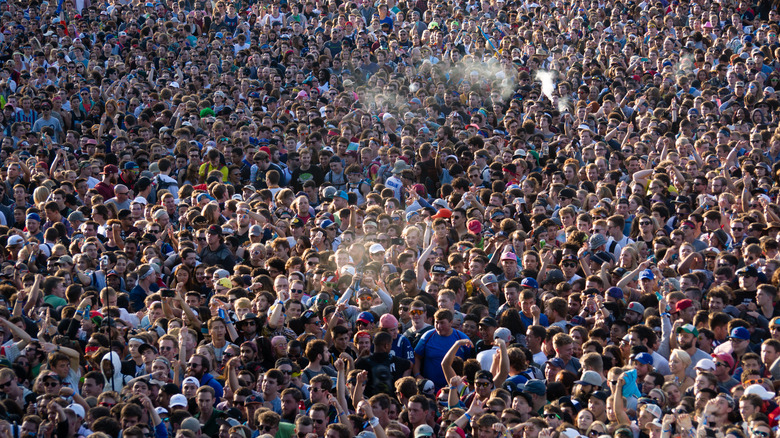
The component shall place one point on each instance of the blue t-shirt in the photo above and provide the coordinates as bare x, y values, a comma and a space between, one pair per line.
432, 348
403, 348
543, 321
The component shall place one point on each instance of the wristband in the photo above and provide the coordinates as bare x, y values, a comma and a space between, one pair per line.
467, 415
374, 421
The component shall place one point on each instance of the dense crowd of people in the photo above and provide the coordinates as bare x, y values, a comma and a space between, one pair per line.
389, 219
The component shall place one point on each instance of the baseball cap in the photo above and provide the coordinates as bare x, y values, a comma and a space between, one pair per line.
388, 321
740, 333
636, 307
503, 333
705, 365
366, 317
488, 321
682, 305
178, 400
423, 430
688, 328
646, 274
110, 169
589, 378
643, 358
529, 282
556, 362
489, 279
535, 386
376, 248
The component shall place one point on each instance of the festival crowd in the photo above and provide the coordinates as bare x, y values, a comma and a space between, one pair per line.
389, 219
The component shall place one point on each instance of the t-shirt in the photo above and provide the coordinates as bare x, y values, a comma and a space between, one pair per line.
300, 176
383, 370
54, 301
432, 348
309, 374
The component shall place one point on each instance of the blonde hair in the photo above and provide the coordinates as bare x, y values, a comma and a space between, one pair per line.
243, 303
684, 357
40, 195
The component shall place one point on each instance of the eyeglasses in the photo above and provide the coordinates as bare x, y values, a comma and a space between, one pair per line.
759, 433
550, 415
318, 421
49, 384
569, 265
238, 403
264, 428
482, 384
417, 311
6, 384
296, 291
644, 223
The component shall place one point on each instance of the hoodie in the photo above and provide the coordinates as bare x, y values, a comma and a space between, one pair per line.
118, 380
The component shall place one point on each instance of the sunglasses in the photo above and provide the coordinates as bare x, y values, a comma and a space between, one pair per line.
417, 312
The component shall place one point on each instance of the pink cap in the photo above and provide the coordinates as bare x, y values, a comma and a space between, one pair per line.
509, 256
388, 321
474, 226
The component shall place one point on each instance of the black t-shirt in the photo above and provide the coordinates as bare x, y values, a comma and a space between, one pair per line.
741, 296
300, 176
383, 370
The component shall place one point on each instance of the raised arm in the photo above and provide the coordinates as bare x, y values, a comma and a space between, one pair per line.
619, 402
446, 364
25, 337
503, 357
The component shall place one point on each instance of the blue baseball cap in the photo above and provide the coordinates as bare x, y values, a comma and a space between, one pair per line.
34, 216
529, 282
616, 292
643, 358
740, 333
646, 274
365, 317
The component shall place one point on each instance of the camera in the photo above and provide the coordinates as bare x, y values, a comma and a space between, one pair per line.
166, 293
